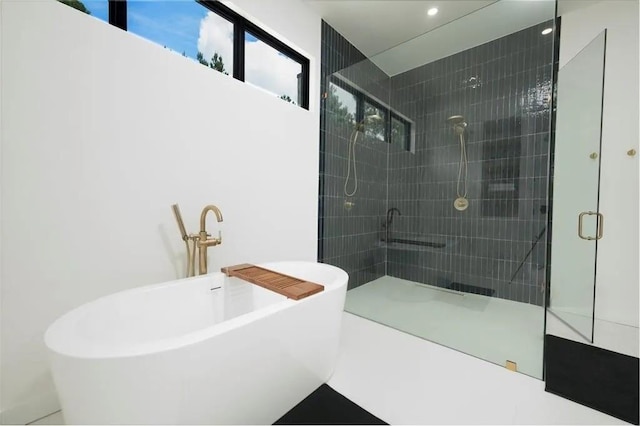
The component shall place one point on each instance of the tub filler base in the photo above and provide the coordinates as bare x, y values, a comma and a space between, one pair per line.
204, 350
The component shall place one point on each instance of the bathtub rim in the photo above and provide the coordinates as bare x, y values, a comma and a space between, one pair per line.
65, 321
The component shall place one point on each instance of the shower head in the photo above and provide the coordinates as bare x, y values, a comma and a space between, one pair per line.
368, 119
455, 120
458, 123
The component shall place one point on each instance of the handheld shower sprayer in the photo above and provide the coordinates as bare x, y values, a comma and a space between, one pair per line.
358, 128
459, 125
369, 118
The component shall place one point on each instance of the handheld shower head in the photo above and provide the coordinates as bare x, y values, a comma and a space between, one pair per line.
461, 203
458, 123
359, 128
455, 120
368, 119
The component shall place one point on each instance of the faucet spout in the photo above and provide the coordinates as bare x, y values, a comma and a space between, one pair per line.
204, 241
390, 214
203, 215
386, 226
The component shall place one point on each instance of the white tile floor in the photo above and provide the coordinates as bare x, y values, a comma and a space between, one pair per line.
403, 379
493, 329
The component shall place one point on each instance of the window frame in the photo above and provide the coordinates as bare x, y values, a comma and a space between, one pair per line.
406, 144
241, 26
351, 91
118, 13
362, 98
359, 115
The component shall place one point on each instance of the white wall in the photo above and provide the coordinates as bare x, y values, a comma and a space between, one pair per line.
102, 132
617, 281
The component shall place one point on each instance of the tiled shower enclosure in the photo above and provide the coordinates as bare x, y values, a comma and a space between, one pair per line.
497, 246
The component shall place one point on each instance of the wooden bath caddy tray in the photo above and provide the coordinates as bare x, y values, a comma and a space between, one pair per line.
293, 288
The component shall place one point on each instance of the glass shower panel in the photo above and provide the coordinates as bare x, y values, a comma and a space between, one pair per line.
448, 240
575, 188
472, 262
354, 157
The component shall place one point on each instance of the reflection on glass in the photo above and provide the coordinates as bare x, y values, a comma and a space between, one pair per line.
575, 187
374, 126
341, 104
270, 70
186, 28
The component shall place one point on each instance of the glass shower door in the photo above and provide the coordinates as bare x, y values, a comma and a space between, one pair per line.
577, 224
468, 120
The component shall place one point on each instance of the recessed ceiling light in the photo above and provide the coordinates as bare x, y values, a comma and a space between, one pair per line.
432, 11
546, 31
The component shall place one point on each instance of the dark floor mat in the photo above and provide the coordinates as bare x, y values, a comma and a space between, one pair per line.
466, 288
604, 380
325, 406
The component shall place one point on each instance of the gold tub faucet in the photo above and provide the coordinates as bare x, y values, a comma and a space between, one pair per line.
204, 241
201, 240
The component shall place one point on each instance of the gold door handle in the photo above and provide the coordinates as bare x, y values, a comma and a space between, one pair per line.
600, 230
600, 233
580, 217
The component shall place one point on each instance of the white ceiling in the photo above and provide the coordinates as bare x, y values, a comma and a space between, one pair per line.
390, 32
377, 25
566, 6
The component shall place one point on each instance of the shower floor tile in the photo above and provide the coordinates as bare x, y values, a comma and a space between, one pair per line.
489, 328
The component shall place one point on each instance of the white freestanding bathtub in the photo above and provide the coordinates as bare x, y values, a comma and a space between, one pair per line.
203, 350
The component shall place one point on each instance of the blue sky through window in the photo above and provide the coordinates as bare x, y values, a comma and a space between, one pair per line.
271, 70
174, 24
188, 28
98, 8
250, 37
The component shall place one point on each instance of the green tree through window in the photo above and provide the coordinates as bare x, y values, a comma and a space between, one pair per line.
216, 62
287, 98
340, 111
76, 4
374, 128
